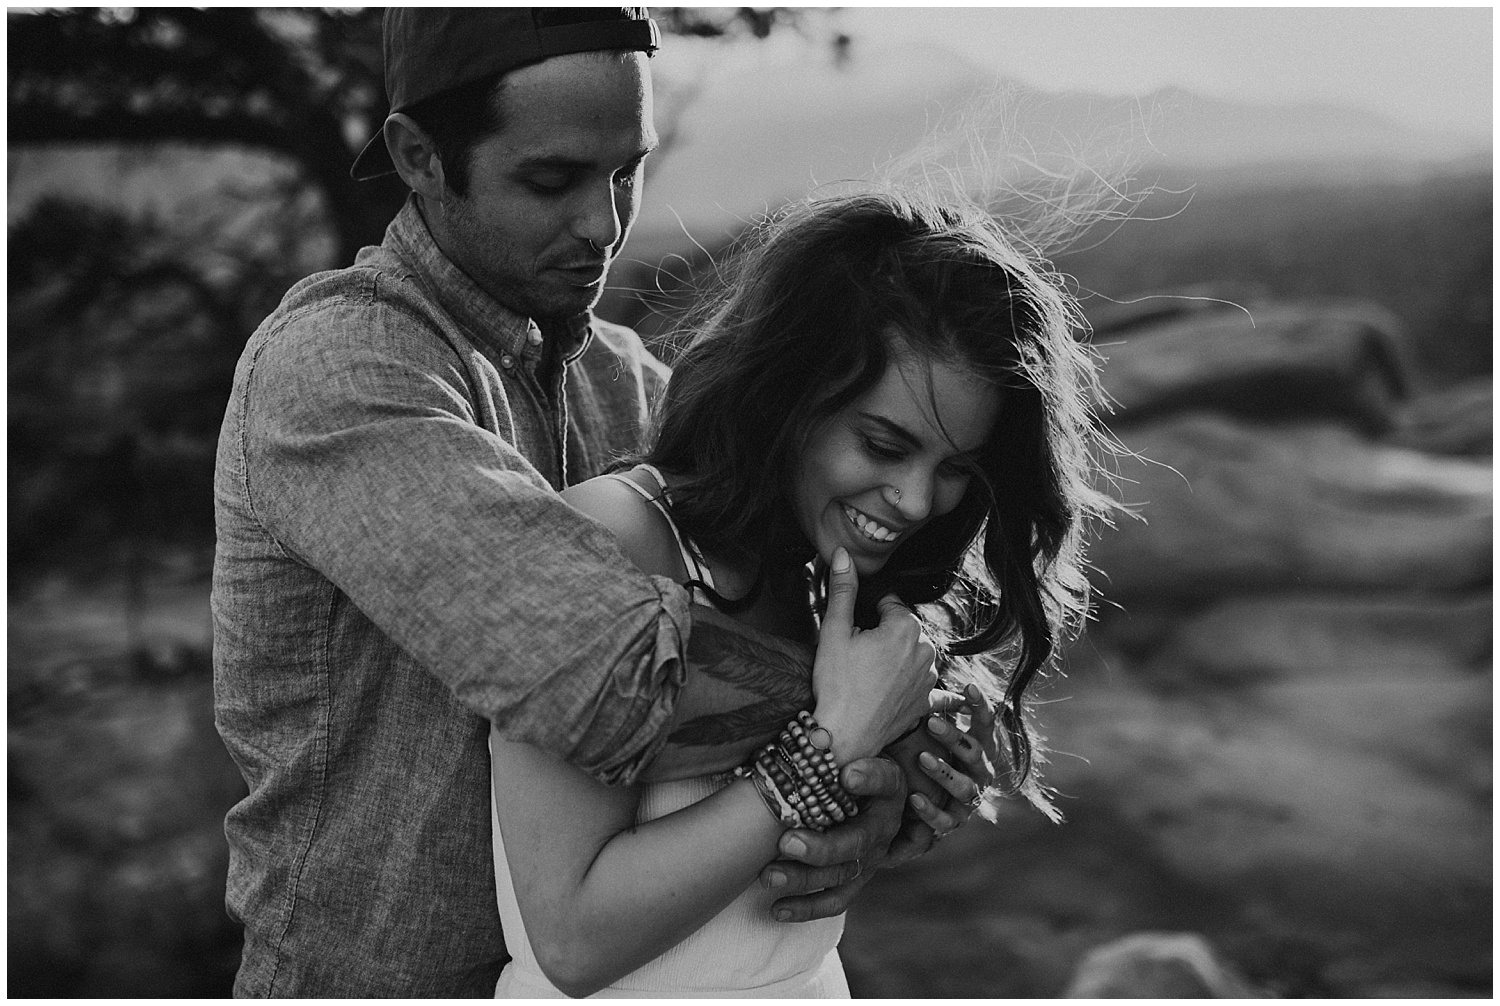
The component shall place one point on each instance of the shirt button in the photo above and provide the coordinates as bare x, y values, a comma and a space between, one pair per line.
507, 361
535, 335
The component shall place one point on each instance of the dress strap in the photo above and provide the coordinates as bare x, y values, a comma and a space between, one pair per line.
692, 559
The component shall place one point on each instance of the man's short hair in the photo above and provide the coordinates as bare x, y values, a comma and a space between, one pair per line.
458, 117
456, 121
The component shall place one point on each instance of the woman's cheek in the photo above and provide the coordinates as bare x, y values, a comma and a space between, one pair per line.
949, 494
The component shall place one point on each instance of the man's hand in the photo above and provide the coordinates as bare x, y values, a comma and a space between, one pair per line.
823, 872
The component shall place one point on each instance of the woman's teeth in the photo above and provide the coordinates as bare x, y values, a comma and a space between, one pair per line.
868, 527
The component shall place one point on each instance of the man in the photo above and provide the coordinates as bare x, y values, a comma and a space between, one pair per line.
394, 569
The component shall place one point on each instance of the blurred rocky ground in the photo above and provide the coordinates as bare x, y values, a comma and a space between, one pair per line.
117, 788
1274, 747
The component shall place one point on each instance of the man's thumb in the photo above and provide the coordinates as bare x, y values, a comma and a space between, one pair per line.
843, 585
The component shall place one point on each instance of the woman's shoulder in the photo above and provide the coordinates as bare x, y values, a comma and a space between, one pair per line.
643, 531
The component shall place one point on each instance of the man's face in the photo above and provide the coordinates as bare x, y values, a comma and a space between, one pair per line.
553, 194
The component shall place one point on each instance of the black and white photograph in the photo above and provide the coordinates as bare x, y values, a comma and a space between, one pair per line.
750, 502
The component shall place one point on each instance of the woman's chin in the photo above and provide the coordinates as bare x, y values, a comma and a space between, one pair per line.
864, 565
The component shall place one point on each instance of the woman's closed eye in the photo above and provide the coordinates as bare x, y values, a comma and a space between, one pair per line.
882, 449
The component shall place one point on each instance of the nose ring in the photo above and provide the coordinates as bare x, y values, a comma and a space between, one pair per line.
897, 492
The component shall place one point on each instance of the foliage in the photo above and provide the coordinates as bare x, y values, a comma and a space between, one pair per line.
302, 82
123, 335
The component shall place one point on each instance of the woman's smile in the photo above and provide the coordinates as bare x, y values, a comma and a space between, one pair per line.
869, 527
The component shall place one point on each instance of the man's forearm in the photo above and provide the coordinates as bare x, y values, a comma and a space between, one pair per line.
741, 689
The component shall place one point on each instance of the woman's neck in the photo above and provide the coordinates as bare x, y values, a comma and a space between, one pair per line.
780, 608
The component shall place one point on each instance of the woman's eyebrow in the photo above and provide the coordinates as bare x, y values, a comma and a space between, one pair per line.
900, 432
893, 428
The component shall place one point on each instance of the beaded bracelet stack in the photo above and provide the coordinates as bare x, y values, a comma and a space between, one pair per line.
798, 779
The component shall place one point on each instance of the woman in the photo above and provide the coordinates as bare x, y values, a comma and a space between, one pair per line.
881, 381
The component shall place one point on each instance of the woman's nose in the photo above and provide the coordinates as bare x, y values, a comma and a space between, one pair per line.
910, 497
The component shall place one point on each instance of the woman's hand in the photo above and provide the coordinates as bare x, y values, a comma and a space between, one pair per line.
966, 771
871, 684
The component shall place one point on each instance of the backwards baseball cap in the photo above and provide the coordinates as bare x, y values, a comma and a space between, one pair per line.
429, 50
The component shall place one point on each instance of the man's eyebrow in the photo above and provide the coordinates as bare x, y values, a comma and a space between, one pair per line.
552, 163
559, 162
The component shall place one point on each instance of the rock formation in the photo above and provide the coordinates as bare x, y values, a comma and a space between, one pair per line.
1288, 692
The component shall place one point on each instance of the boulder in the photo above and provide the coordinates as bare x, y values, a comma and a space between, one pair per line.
1273, 637
1274, 361
1352, 811
1229, 507
1344, 669
1458, 420
1156, 966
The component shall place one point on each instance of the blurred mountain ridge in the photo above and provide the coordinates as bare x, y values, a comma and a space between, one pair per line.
769, 130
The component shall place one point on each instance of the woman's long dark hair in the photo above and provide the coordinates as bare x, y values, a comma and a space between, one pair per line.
803, 321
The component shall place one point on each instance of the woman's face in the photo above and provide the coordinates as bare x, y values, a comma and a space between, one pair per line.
873, 473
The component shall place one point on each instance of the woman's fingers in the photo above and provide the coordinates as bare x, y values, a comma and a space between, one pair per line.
941, 822
942, 701
961, 744
843, 586
981, 714
959, 786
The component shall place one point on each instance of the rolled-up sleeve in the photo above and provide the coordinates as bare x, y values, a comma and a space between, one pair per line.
369, 463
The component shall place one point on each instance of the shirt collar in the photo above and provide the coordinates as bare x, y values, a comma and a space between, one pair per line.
482, 316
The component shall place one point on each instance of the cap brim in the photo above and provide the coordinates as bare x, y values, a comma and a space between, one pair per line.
374, 160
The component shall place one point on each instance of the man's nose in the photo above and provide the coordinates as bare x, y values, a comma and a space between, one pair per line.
598, 221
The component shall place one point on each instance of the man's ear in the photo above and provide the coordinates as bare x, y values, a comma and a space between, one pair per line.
415, 156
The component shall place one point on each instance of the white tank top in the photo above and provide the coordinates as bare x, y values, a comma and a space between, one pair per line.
740, 953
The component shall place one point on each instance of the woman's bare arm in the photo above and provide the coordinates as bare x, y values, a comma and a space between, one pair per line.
602, 897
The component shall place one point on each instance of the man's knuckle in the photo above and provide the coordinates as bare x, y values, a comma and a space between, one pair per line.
829, 907
862, 845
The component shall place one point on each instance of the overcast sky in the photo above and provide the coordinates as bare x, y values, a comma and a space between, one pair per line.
1428, 67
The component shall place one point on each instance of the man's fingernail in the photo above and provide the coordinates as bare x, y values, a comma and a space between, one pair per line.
793, 846
783, 915
775, 879
854, 777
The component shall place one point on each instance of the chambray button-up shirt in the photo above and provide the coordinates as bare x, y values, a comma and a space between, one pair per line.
394, 571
